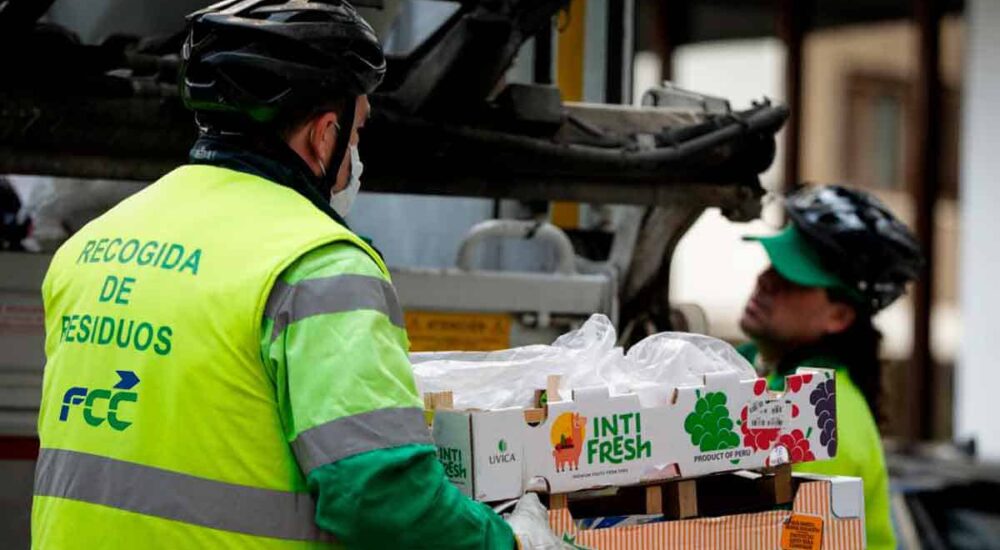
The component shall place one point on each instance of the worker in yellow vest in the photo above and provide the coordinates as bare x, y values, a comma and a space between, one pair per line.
226, 361
842, 258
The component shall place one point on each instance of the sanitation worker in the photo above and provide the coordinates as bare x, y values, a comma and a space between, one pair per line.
226, 361
842, 258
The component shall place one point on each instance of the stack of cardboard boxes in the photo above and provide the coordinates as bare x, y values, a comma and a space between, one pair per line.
662, 437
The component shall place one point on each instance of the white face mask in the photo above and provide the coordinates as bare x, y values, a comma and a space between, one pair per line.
342, 200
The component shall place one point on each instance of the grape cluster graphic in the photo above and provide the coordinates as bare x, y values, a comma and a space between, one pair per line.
824, 402
709, 425
797, 444
759, 439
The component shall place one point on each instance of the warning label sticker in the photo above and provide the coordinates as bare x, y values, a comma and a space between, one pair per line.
802, 532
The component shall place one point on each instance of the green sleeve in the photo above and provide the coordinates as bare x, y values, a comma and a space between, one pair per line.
400, 498
859, 454
335, 346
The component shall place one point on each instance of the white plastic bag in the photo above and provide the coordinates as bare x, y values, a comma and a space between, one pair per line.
585, 357
509, 378
679, 359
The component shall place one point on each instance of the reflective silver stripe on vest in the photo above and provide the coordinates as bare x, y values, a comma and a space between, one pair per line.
359, 433
175, 496
290, 303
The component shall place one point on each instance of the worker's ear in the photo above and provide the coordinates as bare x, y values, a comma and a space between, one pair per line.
314, 141
321, 137
839, 317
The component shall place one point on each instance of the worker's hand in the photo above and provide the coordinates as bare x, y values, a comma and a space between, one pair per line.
530, 522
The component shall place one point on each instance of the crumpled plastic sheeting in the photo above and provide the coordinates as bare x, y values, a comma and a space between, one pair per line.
585, 357
680, 359
509, 378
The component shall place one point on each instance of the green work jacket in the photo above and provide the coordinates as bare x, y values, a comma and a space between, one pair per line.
227, 368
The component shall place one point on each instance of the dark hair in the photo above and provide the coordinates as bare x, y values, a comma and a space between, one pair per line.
856, 348
289, 120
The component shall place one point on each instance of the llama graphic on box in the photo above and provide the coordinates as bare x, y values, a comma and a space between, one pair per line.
568, 434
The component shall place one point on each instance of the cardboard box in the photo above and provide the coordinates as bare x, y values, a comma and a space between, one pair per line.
596, 440
483, 452
827, 514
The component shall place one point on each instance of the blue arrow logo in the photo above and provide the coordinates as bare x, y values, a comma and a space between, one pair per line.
128, 380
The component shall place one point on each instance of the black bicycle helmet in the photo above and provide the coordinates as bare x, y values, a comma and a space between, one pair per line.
249, 61
258, 57
858, 239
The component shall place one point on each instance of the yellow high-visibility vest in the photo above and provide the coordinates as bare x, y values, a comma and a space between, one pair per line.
159, 424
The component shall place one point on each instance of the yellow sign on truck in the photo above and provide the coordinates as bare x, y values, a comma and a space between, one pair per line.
445, 331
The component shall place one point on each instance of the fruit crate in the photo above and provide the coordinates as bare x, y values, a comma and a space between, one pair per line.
594, 439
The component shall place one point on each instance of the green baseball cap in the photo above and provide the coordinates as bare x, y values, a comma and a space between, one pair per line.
795, 260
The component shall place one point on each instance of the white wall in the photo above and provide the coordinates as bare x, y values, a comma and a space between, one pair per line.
978, 376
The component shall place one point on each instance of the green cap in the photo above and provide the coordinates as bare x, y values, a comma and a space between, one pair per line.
796, 261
